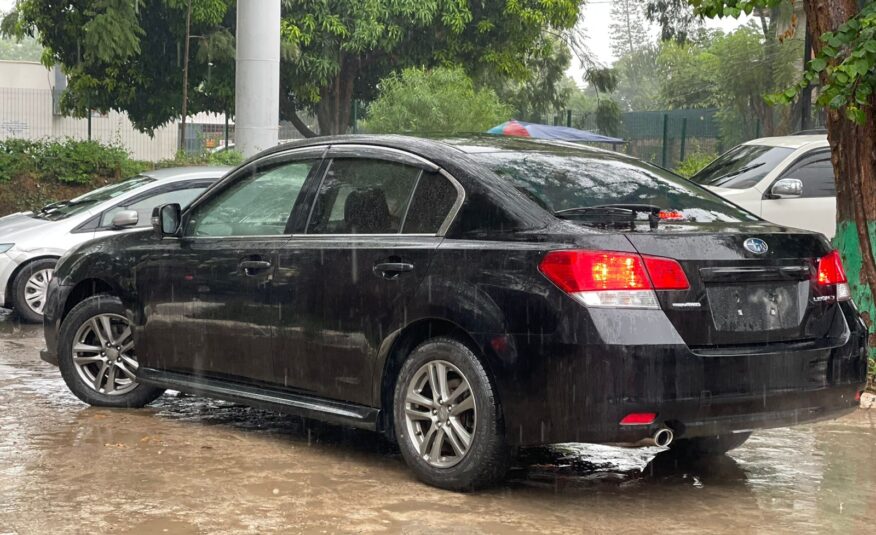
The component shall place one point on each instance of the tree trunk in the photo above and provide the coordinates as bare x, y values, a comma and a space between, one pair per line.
853, 148
336, 99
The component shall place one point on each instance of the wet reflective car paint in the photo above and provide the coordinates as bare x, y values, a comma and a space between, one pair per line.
321, 333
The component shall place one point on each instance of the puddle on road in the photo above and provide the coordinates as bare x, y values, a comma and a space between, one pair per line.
194, 465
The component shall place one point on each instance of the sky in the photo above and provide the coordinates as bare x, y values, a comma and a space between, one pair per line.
595, 20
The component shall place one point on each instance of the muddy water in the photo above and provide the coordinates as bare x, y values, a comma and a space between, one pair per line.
190, 465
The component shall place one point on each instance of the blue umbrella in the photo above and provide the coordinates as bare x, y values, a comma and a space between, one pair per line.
544, 131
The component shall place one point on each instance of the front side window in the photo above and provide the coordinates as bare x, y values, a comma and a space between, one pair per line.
816, 173
563, 182
362, 196
742, 167
258, 204
144, 206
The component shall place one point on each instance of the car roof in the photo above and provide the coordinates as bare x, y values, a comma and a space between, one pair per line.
181, 173
447, 146
791, 142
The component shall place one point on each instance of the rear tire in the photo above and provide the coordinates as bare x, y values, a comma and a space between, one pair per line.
97, 358
453, 437
708, 446
29, 289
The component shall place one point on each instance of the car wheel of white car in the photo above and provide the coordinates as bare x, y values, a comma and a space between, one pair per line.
30, 289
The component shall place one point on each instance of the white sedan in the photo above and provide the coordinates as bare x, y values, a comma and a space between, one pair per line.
32, 242
787, 180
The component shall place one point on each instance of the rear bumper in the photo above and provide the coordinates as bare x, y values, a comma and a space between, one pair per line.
588, 388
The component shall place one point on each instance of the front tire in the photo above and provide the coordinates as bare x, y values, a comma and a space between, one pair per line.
708, 446
97, 358
448, 422
29, 290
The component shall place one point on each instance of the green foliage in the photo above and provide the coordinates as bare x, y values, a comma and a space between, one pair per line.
438, 101
628, 32
25, 49
125, 55
732, 72
68, 161
545, 89
847, 62
676, 19
181, 159
689, 76
638, 85
694, 162
348, 46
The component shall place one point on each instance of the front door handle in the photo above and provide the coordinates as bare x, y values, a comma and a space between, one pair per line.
252, 268
391, 270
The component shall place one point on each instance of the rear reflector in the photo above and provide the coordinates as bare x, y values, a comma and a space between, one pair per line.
611, 278
639, 418
831, 272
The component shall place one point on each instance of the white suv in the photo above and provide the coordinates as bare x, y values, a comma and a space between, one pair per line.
786, 180
32, 242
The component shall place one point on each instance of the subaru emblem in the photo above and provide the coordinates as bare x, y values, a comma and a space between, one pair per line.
756, 245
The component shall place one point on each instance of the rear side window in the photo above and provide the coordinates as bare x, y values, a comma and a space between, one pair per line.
741, 167
816, 173
363, 196
562, 182
431, 204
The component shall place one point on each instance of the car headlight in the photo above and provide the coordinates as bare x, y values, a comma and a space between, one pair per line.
5, 247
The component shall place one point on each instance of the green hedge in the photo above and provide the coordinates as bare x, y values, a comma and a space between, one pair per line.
67, 161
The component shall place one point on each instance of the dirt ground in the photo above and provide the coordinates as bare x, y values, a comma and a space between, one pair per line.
190, 465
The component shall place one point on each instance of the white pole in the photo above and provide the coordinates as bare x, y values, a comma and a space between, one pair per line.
257, 84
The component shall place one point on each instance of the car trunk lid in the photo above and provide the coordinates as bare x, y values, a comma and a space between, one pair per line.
742, 296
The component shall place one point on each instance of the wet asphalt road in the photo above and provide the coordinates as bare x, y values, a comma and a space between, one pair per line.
190, 465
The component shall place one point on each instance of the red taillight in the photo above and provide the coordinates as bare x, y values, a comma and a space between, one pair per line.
830, 269
611, 278
639, 418
583, 271
831, 272
666, 273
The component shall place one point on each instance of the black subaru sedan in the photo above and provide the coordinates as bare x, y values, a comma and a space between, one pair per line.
466, 298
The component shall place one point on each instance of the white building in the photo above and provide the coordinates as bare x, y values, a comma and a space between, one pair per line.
28, 109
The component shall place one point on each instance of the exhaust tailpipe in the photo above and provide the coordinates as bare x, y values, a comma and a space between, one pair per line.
663, 437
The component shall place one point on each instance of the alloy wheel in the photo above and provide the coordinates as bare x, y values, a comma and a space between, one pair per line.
440, 413
35, 289
103, 353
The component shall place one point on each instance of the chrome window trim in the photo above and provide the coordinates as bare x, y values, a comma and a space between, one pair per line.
327, 148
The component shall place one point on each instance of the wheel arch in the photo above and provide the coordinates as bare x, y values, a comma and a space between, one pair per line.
85, 289
399, 345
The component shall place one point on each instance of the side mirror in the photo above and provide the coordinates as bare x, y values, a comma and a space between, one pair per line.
165, 220
125, 218
787, 188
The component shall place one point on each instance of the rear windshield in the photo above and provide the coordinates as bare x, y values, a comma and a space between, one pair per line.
742, 167
561, 182
64, 209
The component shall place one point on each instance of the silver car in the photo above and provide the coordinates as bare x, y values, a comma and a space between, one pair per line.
32, 242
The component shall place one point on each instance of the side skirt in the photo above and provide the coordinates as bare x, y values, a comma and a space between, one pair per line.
335, 412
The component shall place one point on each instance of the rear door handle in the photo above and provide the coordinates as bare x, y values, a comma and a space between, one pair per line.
391, 270
252, 268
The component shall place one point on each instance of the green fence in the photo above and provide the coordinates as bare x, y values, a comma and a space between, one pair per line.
661, 137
